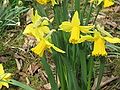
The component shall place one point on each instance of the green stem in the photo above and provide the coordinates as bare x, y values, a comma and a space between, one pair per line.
83, 68
49, 74
98, 10
91, 62
88, 15
101, 71
74, 56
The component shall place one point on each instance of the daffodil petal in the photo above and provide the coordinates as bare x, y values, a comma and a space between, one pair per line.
40, 48
35, 17
53, 2
7, 75
85, 29
75, 19
51, 20
45, 22
4, 84
54, 47
108, 3
57, 49
85, 38
28, 30
101, 30
38, 34
0, 86
97, 35
1, 69
42, 1
112, 40
44, 29
66, 26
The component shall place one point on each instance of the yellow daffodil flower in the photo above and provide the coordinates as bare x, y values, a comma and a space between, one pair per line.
4, 77
107, 3
99, 43
75, 28
43, 45
46, 1
38, 28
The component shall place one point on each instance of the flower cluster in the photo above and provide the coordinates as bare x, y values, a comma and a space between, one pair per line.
99, 40
40, 30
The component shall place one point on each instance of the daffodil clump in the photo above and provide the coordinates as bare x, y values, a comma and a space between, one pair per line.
106, 3
4, 77
81, 40
40, 30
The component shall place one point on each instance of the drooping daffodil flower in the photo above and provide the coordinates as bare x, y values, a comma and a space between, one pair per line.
106, 3
4, 77
99, 42
38, 28
46, 1
75, 28
43, 45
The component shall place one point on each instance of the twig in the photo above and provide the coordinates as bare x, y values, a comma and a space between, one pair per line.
108, 81
103, 84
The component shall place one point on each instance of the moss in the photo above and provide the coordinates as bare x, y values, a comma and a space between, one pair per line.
10, 66
36, 82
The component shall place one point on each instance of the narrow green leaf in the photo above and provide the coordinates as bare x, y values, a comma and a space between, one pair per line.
101, 71
49, 74
91, 63
77, 6
65, 10
83, 63
19, 84
57, 17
